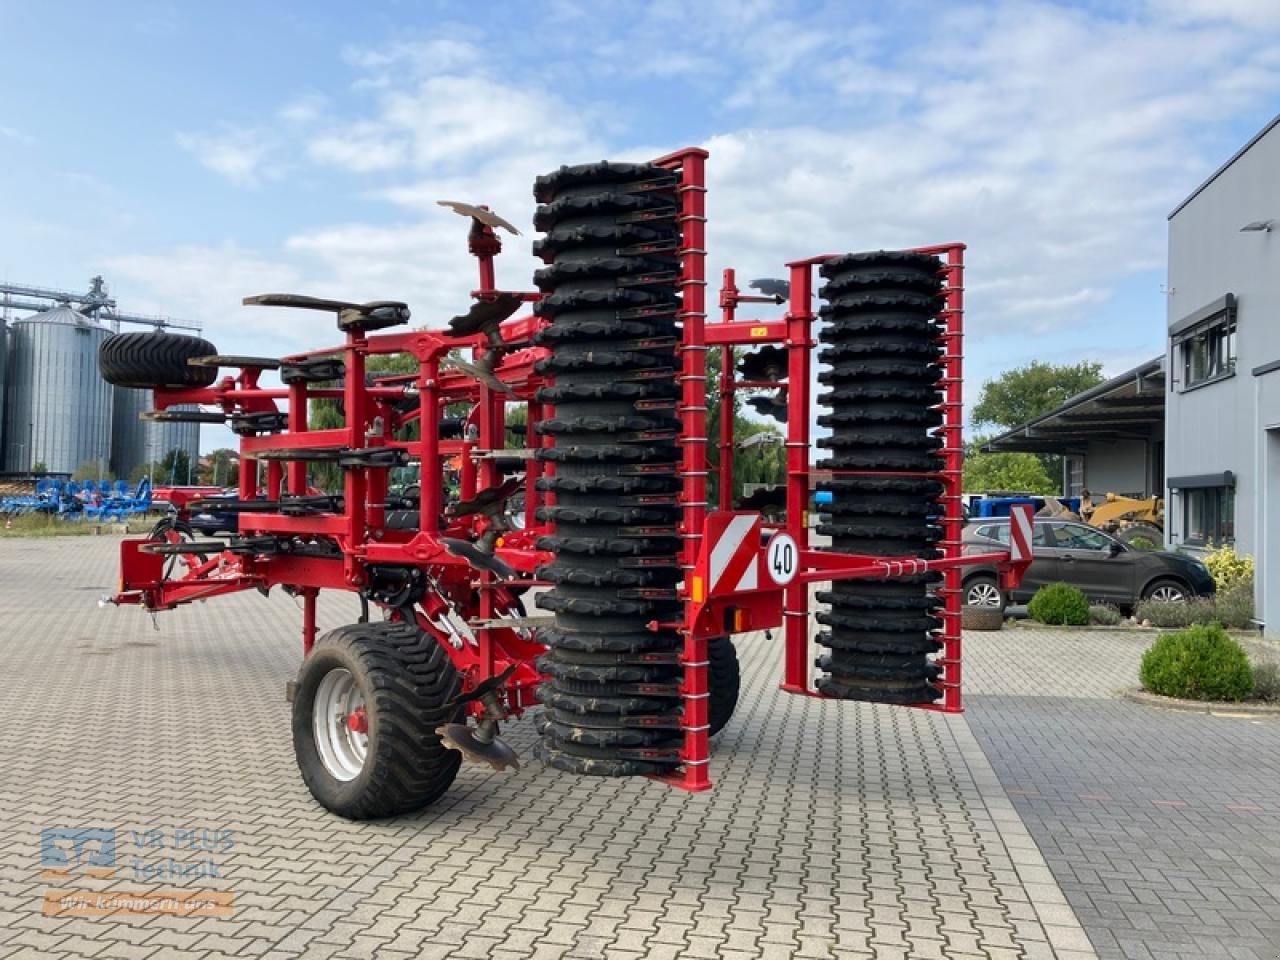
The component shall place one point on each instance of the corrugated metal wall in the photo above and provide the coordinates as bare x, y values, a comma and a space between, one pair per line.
59, 409
135, 442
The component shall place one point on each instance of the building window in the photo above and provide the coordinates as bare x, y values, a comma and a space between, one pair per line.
1204, 343
1209, 515
1209, 354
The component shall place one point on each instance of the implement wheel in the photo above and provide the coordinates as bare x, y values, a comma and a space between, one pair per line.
723, 681
369, 699
149, 360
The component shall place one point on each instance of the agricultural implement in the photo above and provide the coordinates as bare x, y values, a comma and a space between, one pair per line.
641, 581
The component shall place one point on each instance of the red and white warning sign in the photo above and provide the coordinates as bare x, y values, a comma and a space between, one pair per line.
1020, 527
734, 540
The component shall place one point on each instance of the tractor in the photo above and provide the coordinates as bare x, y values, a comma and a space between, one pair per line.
584, 577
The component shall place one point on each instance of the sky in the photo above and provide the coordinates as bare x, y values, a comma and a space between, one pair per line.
194, 154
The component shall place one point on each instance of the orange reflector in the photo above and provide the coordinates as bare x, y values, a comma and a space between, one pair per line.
699, 590
739, 621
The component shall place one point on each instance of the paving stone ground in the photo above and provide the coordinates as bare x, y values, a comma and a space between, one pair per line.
834, 830
1162, 828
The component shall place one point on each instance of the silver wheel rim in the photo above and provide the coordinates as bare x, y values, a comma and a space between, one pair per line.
1168, 594
983, 595
342, 749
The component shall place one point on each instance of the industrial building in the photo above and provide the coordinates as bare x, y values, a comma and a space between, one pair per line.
55, 409
1222, 442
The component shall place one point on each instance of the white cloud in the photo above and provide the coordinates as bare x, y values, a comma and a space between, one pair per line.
304, 110
1052, 140
1247, 13
242, 156
9, 133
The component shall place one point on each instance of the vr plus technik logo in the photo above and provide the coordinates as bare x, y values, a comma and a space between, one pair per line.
91, 850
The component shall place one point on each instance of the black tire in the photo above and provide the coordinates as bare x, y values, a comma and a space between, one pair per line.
983, 591
724, 680
145, 361
1154, 589
881, 374
1141, 530
406, 680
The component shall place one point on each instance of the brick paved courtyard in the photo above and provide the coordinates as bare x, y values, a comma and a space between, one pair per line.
834, 829
1162, 828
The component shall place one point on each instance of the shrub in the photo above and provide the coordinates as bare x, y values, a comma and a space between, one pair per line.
1229, 568
1171, 615
1104, 615
1266, 680
1060, 604
1144, 543
1199, 663
1234, 606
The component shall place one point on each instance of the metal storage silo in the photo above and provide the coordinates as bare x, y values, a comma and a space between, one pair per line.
4, 381
59, 409
135, 442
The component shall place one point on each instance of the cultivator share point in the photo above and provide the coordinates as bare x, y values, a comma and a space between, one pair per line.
641, 582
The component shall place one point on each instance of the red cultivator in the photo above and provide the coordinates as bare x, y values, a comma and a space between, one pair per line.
644, 582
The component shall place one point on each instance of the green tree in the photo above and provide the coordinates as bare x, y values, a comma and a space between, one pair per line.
39, 467
223, 468
759, 463
1006, 472
1026, 392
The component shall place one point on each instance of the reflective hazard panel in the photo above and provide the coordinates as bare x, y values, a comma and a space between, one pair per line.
1020, 526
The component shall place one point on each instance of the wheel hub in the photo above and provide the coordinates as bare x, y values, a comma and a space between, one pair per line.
340, 723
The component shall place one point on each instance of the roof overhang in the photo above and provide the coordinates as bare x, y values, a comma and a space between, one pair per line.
1127, 407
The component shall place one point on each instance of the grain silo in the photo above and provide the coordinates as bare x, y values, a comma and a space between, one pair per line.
59, 409
135, 442
4, 380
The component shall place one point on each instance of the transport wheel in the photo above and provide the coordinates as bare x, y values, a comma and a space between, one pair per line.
983, 591
368, 701
724, 681
1166, 591
881, 352
145, 361
611, 298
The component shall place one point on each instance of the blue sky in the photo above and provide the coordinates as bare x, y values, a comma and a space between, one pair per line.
194, 154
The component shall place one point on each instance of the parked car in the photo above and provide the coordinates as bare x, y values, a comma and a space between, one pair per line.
1067, 551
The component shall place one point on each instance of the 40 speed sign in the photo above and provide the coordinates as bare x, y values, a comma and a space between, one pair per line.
782, 558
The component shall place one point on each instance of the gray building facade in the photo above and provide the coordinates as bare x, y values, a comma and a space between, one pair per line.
1222, 444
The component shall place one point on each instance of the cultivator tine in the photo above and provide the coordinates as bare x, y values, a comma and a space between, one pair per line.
374, 315
488, 502
482, 744
483, 687
252, 424
485, 316
772, 287
767, 363
199, 548
482, 214
182, 416
771, 406
479, 559
479, 372
245, 363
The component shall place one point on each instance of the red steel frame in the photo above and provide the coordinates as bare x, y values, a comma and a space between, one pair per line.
481, 597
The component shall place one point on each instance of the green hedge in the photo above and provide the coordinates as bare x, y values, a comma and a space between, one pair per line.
1199, 663
1059, 604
